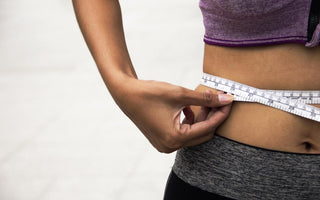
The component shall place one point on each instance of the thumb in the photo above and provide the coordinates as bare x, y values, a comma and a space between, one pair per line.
207, 98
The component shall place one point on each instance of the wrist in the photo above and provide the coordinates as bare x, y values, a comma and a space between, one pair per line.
120, 84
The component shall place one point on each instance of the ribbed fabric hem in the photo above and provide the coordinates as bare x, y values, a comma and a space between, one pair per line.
255, 42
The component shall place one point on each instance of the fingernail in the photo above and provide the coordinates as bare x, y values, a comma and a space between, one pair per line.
225, 98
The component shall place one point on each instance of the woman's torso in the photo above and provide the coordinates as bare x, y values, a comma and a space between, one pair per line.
279, 67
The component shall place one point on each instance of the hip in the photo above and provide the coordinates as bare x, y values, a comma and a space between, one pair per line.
239, 171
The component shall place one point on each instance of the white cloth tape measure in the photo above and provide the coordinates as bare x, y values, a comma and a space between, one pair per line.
292, 101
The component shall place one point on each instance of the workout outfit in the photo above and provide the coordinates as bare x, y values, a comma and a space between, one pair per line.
225, 169
238, 171
258, 22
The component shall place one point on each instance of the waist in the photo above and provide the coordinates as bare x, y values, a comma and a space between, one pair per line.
278, 67
283, 67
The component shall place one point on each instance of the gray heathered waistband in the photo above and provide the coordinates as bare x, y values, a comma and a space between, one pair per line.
240, 171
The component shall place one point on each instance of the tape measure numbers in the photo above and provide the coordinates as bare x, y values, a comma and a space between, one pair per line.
292, 101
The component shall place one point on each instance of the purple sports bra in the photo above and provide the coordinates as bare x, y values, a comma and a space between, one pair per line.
261, 22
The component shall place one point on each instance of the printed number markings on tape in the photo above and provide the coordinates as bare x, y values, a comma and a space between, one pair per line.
292, 101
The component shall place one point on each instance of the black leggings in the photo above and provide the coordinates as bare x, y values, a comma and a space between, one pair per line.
177, 189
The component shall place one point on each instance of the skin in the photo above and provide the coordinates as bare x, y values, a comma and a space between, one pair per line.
285, 66
101, 24
289, 66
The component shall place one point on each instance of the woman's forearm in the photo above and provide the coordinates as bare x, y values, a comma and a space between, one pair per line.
101, 24
153, 106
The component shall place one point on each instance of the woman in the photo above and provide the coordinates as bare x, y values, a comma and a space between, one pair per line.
258, 152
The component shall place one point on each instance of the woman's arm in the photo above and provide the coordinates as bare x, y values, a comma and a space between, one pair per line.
153, 106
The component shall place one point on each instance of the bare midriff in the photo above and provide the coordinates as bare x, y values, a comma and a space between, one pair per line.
278, 67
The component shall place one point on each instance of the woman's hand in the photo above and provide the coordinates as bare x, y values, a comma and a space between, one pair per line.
155, 108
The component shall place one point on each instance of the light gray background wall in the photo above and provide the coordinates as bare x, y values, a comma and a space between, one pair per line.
61, 135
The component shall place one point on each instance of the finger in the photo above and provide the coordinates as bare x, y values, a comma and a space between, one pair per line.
207, 98
189, 116
203, 114
224, 110
205, 129
220, 92
199, 140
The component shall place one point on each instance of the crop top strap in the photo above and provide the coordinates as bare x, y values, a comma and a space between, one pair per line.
314, 24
